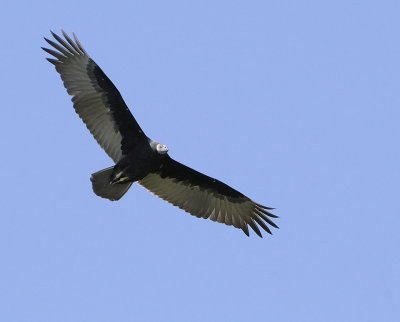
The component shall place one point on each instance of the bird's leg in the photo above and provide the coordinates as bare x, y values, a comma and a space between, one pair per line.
118, 175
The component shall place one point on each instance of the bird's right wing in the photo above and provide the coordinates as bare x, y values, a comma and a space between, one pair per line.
96, 99
205, 197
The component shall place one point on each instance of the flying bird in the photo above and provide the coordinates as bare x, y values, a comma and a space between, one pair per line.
138, 158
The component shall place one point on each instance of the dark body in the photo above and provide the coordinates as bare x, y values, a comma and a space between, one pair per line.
139, 159
139, 162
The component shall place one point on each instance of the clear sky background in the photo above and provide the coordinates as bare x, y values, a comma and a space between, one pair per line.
294, 103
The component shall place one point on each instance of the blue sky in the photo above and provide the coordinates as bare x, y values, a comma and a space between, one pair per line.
294, 103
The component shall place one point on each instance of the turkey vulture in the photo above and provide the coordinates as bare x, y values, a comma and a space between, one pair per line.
138, 158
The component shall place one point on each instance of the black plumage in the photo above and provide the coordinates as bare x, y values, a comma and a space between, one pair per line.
139, 159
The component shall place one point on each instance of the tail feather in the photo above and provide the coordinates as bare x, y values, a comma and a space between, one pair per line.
103, 188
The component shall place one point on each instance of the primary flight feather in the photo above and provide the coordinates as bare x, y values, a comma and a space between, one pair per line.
138, 158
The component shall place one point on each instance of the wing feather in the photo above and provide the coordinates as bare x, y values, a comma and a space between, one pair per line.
205, 197
95, 98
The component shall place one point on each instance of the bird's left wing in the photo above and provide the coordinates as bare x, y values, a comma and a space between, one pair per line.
96, 99
205, 197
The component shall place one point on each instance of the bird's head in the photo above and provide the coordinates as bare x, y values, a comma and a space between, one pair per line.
158, 147
161, 148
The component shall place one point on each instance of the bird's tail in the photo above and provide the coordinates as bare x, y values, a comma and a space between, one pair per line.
103, 188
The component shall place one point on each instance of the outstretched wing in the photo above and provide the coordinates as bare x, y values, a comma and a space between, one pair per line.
96, 100
205, 197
